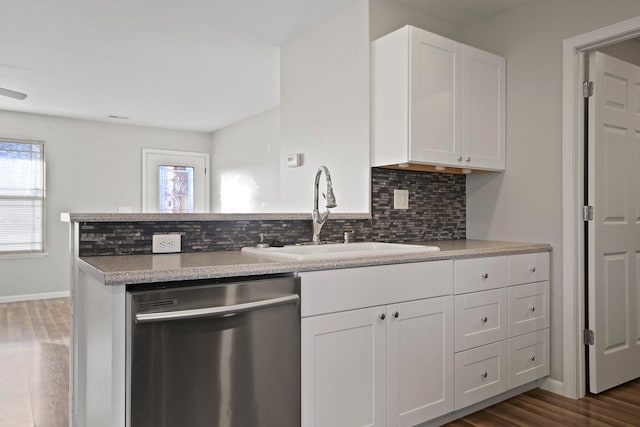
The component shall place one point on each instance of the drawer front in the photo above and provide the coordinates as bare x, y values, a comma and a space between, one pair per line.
528, 358
481, 318
528, 268
331, 291
528, 308
479, 274
480, 373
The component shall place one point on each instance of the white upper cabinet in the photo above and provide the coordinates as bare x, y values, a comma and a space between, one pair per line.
436, 102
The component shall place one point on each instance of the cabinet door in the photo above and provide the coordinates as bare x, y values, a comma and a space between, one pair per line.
420, 361
483, 138
343, 366
435, 98
481, 373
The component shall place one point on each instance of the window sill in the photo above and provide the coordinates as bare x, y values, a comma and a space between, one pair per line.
23, 256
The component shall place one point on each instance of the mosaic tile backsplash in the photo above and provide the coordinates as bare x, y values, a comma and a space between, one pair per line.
437, 211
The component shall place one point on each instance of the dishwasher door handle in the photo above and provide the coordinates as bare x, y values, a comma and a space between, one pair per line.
220, 311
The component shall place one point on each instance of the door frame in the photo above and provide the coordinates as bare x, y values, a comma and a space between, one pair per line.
573, 74
207, 181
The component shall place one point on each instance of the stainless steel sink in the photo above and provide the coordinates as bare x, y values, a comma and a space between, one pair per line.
339, 250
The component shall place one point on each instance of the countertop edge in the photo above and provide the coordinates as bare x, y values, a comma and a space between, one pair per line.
269, 265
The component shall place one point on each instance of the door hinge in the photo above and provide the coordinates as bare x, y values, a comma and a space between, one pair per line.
588, 337
587, 213
587, 89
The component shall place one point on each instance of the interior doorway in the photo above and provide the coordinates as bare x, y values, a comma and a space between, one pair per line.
574, 237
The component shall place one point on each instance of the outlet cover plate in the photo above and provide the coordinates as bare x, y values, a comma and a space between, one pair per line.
400, 199
166, 243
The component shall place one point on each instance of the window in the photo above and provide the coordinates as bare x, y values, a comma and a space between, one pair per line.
21, 196
175, 189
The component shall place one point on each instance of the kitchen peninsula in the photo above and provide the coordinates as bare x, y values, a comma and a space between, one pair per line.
509, 344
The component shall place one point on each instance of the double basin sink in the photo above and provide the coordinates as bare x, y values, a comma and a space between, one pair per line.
339, 250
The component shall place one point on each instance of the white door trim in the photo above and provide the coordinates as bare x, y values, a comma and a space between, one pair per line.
572, 189
205, 156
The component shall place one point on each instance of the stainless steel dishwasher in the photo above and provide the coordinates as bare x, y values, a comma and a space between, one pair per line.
223, 354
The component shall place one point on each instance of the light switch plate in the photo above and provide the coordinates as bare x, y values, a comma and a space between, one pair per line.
400, 199
166, 243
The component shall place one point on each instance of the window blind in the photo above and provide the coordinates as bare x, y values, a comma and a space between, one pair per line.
22, 196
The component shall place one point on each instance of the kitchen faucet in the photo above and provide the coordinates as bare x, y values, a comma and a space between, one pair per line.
320, 218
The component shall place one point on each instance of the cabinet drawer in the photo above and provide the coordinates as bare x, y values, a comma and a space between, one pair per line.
528, 308
528, 268
480, 373
481, 318
331, 291
528, 357
479, 274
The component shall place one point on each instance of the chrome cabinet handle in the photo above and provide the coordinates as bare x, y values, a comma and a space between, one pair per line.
532, 358
484, 319
468, 159
460, 158
532, 308
396, 314
484, 374
225, 310
485, 275
382, 316
532, 269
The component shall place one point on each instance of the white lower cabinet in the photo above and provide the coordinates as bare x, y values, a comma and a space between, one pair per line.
399, 345
382, 366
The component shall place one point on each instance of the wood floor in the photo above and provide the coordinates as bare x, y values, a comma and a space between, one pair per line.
34, 363
34, 381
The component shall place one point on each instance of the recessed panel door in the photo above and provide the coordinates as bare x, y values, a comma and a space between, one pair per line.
614, 233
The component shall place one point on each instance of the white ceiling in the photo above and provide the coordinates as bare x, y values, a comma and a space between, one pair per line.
183, 64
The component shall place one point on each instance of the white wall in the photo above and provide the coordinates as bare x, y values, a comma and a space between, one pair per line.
325, 110
387, 16
524, 203
90, 167
245, 165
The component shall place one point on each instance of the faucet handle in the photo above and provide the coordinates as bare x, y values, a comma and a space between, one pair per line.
349, 235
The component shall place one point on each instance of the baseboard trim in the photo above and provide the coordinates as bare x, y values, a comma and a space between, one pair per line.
30, 297
552, 385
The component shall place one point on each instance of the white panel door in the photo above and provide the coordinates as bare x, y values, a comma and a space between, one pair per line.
435, 98
483, 138
343, 369
175, 181
614, 234
420, 361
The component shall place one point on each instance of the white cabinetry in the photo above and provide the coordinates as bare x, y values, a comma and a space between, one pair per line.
436, 102
502, 324
387, 365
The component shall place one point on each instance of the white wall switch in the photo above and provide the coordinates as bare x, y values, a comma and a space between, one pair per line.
166, 243
400, 199
294, 160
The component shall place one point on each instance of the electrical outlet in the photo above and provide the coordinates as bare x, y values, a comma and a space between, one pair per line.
166, 243
400, 199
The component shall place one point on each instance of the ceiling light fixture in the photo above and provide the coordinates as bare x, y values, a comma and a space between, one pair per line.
12, 94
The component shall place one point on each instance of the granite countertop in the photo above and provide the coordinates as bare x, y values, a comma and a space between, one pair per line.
136, 269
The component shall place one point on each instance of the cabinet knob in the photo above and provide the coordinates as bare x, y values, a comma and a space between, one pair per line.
382, 316
460, 158
485, 275
468, 159
533, 269
532, 358
484, 374
396, 314
532, 308
484, 319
